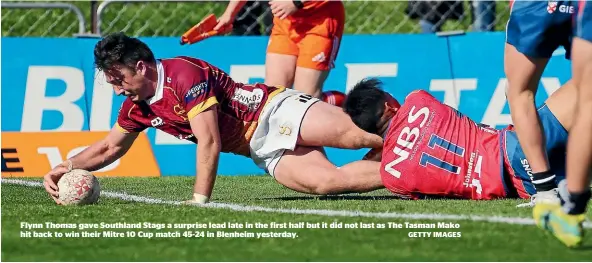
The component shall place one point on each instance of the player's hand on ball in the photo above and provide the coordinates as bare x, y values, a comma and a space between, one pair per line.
282, 8
51, 179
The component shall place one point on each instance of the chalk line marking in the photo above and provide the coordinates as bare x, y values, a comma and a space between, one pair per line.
320, 212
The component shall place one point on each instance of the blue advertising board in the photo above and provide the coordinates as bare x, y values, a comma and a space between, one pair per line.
50, 84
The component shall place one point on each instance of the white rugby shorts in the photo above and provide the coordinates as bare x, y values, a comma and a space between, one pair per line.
279, 127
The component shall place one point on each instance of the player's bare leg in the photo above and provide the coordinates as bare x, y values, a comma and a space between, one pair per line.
310, 81
307, 170
565, 221
562, 104
329, 126
279, 69
579, 150
523, 75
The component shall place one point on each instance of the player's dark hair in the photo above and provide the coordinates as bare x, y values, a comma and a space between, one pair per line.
120, 49
365, 104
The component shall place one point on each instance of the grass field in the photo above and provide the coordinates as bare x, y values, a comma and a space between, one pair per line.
160, 18
237, 198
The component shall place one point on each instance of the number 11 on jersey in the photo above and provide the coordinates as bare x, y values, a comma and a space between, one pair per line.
435, 140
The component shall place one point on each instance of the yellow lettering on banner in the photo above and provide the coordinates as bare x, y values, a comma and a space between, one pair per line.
33, 154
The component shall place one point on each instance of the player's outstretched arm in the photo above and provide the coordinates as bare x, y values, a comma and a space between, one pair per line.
104, 152
96, 156
205, 129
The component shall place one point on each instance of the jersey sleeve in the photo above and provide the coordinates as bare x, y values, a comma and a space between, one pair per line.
125, 122
197, 89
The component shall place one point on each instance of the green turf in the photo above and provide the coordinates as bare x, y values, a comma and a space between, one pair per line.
479, 241
174, 18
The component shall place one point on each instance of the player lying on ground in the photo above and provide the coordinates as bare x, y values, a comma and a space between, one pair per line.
282, 130
431, 149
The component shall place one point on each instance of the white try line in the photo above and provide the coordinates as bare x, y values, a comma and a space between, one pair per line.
320, 212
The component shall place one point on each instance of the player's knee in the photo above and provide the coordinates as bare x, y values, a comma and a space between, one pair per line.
350, 141
359, 142
366, 140
352, 137
519, 97
521, 86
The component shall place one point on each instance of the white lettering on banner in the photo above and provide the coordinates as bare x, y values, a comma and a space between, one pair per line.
359, 71
551, 85
243, 73
55, 157
493, 114
36, 102
102, 103
452, 89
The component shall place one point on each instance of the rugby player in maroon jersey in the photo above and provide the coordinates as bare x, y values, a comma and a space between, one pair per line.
282, 130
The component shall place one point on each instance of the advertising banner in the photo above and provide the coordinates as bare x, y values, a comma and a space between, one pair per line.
53, 87
33, 154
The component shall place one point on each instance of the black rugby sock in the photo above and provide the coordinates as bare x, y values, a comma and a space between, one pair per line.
544, 181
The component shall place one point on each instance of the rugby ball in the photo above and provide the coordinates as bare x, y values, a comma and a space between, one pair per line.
79, 187
333, 97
